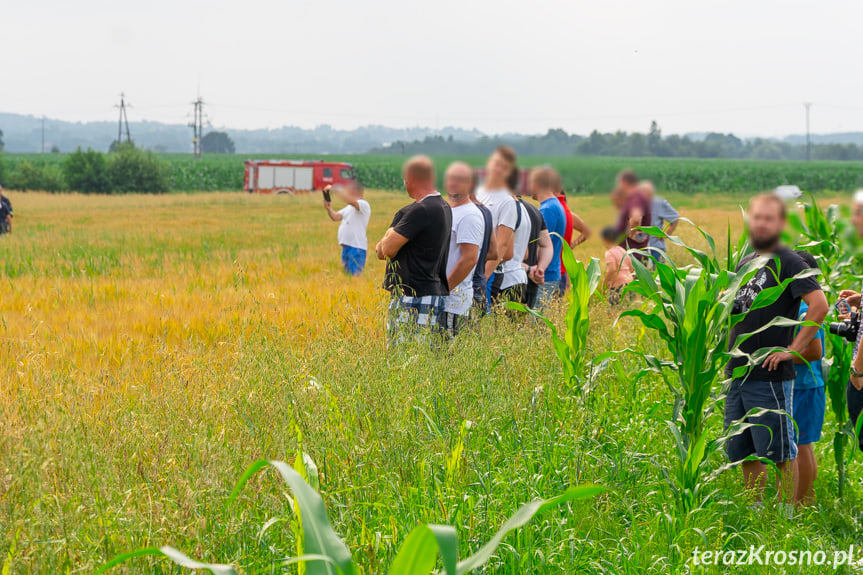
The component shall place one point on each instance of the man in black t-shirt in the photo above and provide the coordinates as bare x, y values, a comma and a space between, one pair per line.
415, 248
769, 384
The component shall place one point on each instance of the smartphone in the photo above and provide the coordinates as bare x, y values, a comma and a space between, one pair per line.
842, 307
327, 197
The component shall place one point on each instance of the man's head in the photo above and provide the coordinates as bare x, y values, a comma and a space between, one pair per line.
355, 189
857, 218
647, 189
458, 182
767, 213
627, 182
618, 198
419, 176
499, 166
543, 183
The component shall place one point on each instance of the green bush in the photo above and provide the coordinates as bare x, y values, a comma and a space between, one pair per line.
28, 176
136, 171
87, 172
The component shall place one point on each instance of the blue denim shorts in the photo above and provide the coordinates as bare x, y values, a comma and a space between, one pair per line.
354, 260
772, 436
809, 407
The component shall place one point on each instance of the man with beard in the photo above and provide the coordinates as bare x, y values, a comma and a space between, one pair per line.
769, 385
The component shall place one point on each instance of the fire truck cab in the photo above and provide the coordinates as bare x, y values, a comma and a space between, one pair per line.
293, 176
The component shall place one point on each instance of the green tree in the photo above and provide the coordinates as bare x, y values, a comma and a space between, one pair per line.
138, 171
87, 172
217, 143
2, 143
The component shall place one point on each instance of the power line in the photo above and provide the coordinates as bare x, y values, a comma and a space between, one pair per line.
124, 120
197, 126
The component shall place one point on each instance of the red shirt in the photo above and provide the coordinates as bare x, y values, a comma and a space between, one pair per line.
567, 235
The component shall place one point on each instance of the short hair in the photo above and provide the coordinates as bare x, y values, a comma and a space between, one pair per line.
513, 179
771, 198
610, 234
807, 258
545, 178
507, 153
627, 176
419, 168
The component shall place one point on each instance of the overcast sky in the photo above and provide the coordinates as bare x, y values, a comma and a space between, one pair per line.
743, 66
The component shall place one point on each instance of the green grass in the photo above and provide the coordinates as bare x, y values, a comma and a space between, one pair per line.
154, 347
582, 174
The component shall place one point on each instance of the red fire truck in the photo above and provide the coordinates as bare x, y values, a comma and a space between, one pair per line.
292, 176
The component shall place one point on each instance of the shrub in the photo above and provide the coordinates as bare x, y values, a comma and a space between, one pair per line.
87, 172
28, 176
134, 170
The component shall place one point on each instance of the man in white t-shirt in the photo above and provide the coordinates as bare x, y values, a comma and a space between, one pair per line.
468, 229
497, 197
354, 218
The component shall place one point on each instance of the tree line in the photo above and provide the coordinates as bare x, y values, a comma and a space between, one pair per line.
653, 144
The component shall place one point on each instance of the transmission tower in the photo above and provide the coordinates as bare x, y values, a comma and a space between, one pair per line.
123, 124
197, 126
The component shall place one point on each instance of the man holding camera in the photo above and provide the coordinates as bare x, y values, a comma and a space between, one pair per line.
354, 220
854, 392
415, 248
769, 385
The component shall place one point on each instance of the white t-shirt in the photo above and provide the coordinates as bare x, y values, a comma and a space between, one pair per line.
501, 204
352, 230
513, 272
468, 227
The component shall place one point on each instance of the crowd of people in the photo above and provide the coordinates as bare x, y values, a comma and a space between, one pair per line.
500, 247
450, 260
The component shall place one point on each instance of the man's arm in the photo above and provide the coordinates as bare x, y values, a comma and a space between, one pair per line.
464, 266
492, 248
505, 239
390, 244
544, 255
634, 221
334, 215
817, 302
582, 229
813, 351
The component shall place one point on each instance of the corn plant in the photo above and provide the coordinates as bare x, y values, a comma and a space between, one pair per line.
827, 235
325, 553
692, 314
571, 349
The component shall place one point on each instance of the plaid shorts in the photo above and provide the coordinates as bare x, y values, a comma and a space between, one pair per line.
414, 317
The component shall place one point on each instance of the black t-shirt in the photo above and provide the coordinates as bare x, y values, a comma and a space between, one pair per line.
5, 206
786, 305
419, 269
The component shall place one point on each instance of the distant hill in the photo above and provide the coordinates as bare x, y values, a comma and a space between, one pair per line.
24, 134
840, 138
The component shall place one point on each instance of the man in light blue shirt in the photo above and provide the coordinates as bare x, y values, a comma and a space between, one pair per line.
544, 184
663, 216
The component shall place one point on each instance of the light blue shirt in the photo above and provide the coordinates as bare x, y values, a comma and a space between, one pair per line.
807, 378
661, 214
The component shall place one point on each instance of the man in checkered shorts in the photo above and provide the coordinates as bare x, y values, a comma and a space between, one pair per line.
415, 248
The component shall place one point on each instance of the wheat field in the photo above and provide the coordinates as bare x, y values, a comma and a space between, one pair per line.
153, 346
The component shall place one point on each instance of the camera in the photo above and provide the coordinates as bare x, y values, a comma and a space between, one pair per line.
847, 328
327, 197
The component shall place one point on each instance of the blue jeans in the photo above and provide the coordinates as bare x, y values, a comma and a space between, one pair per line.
354, 260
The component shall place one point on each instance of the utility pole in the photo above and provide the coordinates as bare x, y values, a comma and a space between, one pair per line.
124, 121
808, 137
197, 126
43, 135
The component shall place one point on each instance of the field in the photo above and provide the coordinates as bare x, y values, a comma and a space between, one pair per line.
581, 174
154, 346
